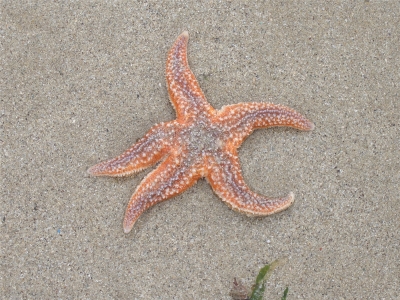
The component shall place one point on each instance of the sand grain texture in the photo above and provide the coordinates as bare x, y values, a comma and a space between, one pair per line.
80, 82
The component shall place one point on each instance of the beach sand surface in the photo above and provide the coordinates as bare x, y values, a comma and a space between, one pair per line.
81, 81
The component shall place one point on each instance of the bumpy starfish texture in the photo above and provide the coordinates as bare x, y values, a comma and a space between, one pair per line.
200, 142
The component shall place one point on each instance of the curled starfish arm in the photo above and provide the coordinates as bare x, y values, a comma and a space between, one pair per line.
243, 118
172, 177
184, 90
225, 177
146, 152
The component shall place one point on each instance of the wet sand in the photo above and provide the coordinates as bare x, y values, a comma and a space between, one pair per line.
81, 82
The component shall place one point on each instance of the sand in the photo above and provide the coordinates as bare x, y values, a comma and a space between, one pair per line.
82, 81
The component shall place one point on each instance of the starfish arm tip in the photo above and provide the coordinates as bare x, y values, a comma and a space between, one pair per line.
185, 33
127, 229
97, 170
91, 171
290, 197
312, 126
127, 226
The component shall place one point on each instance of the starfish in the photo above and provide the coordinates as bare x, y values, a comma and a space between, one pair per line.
201, 142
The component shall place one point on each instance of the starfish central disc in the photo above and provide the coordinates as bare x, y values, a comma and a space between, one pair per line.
200, 142
203, 138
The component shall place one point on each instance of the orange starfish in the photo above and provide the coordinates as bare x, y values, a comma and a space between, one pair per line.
200, 142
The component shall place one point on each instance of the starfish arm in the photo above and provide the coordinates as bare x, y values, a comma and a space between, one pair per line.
226, 179
146, 152
172, 177
184, 90
243, 118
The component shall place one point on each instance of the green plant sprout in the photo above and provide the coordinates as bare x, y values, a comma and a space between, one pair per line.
240, 292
